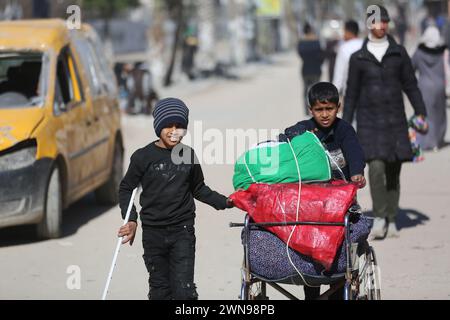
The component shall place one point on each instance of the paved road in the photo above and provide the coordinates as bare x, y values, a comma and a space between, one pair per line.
415, 266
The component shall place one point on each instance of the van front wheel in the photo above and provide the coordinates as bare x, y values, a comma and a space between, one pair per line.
50, 225
108, 194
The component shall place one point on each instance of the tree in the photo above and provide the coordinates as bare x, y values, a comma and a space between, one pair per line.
175, 9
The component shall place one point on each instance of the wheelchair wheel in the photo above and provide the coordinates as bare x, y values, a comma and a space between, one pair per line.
368, 282
253, 290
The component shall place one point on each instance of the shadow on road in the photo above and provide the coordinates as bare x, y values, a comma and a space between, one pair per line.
445, 145
410, 218
407, 218
77, 215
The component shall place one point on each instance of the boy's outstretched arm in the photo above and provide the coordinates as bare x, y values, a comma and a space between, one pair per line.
129, 183
204, 194
354, 156
292, 132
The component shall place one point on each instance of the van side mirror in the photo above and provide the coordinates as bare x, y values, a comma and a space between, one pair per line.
59, 107
62, 107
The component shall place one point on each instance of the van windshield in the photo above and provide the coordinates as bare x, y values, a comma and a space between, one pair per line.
22, 83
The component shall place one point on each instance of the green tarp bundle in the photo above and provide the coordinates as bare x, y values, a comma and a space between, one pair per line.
273, 163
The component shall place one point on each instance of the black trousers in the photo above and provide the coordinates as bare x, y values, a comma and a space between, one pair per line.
169, 255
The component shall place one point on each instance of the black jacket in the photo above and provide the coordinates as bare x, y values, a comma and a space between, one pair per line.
168, 188
374, 92
340, 140
312, 55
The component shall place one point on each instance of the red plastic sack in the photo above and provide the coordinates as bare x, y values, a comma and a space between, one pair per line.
318, 203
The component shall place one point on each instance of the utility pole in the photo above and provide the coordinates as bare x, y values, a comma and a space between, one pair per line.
252, 24
176, 13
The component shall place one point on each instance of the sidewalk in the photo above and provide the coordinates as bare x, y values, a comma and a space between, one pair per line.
414, 266
268, 96
182, 86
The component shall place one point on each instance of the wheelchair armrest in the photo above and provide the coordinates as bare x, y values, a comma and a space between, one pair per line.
355, 209
354, 213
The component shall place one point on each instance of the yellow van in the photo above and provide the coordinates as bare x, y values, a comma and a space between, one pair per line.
60, 135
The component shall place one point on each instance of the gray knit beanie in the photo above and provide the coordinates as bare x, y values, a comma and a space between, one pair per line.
169, 111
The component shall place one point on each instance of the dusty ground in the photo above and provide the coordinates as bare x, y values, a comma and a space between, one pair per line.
414, 266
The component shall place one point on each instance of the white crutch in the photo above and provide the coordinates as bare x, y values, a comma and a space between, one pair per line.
119, 244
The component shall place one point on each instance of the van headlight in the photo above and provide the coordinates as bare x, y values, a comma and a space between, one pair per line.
18, 159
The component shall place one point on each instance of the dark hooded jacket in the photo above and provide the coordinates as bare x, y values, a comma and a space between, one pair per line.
375, 92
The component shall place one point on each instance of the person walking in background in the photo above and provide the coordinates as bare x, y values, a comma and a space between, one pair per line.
378, 73
429, 60
331, 49
401, 23
190, 47
141, 92
351, 44
312, 55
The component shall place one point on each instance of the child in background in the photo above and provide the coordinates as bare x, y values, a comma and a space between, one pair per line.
339, 139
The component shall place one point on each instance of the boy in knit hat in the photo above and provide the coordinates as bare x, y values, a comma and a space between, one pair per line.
171, 178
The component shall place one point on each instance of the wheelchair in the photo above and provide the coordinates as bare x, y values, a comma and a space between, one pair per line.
360, 281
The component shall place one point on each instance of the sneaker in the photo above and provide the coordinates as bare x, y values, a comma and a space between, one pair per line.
392, 231
379, 229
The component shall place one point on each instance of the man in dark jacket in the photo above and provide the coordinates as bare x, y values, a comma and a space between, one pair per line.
378, 74
312, 55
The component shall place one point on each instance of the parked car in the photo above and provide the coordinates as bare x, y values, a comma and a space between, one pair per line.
60, 134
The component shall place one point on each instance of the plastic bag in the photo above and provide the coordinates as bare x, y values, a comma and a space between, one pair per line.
318, 203
417, 124
275, 163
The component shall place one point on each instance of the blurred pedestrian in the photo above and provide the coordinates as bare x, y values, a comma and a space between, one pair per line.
312, 55
331, 49
118, 70
378, 74
350, 45
401, 23
428, 21
141, 92
121, 71
429, 60
190, 46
